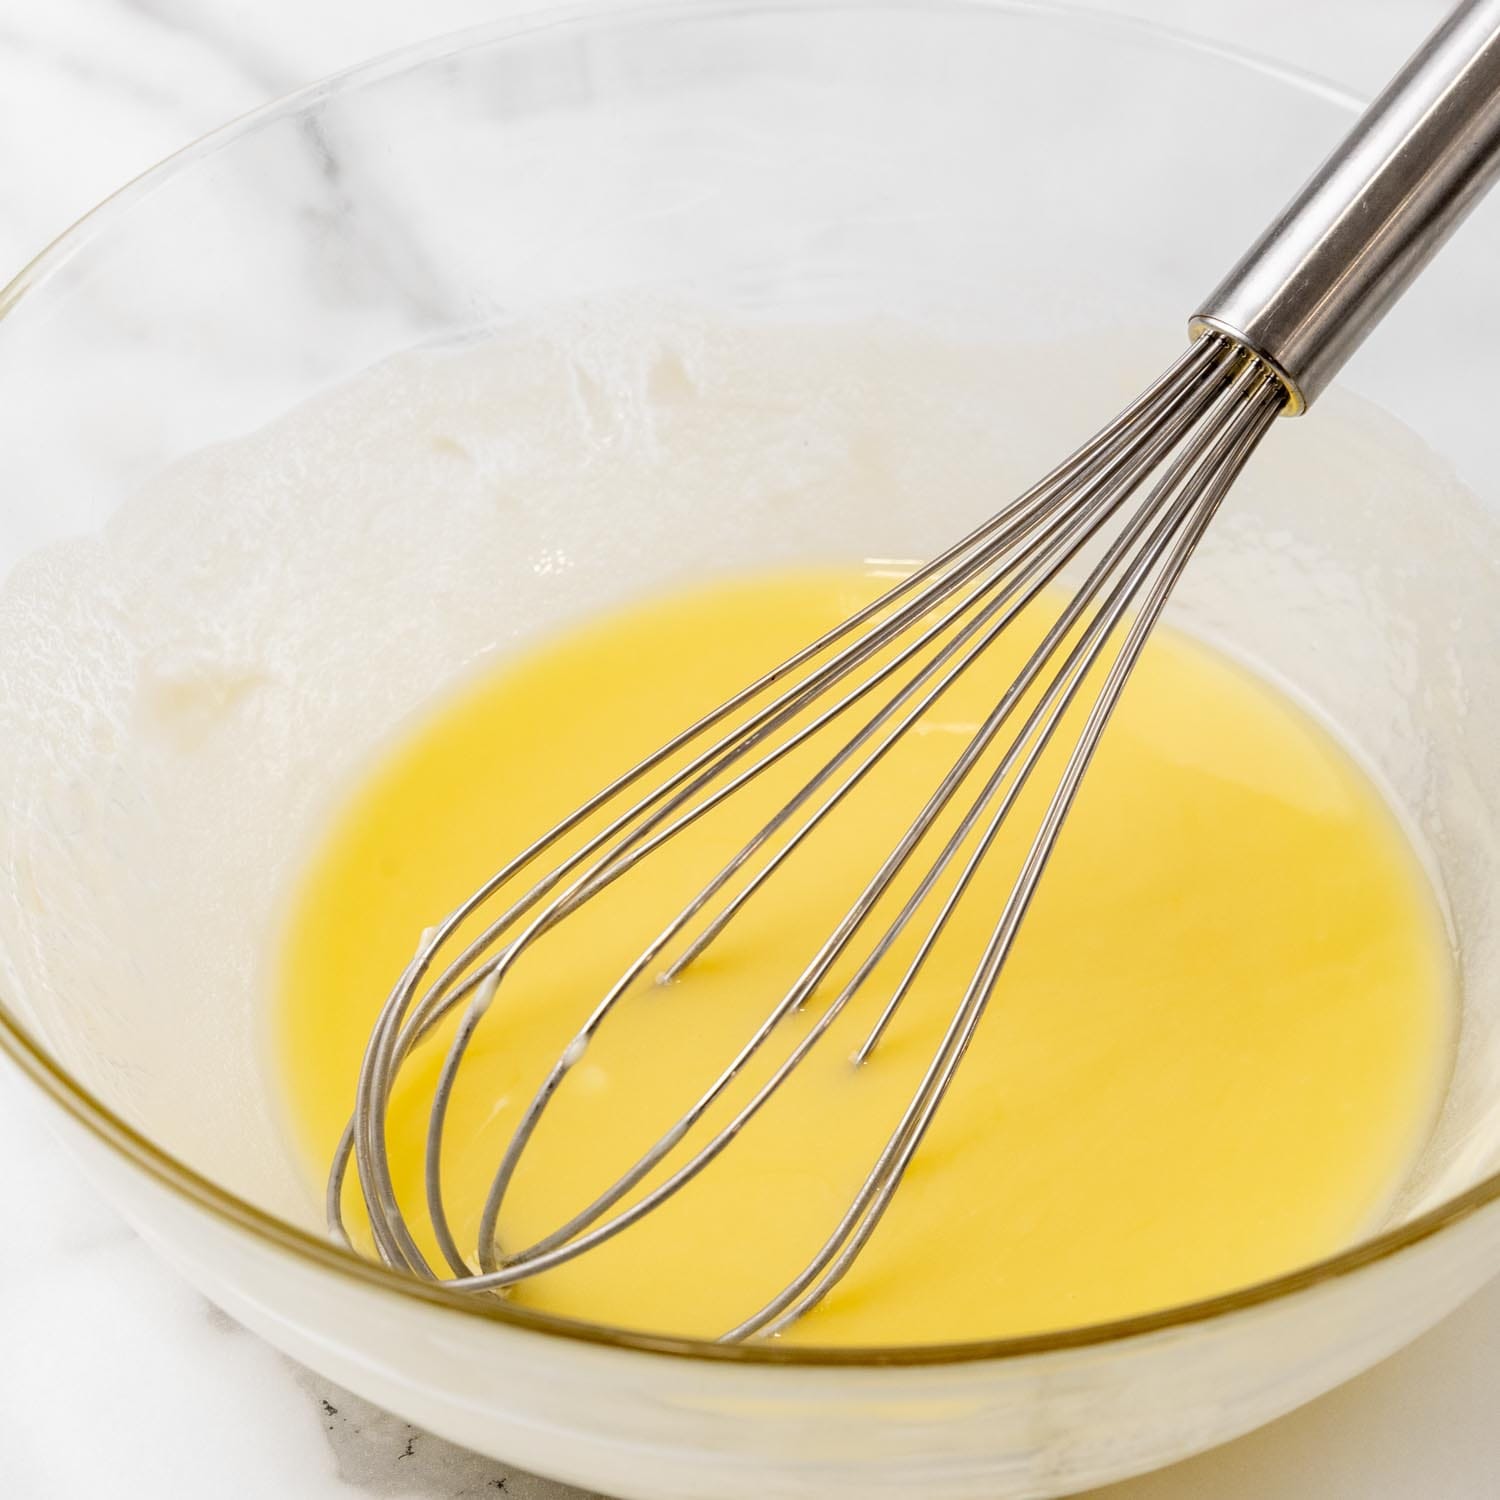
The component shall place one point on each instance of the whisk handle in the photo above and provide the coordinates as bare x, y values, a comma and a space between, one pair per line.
1348, 245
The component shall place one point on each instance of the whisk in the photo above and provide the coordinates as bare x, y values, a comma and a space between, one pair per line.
1126, 510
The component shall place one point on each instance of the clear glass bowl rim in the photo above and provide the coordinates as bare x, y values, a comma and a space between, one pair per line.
100, 1122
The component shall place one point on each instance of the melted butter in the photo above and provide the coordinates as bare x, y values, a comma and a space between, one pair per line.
1215, 1052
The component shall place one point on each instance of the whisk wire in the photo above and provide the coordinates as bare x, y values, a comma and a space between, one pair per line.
834, 946
1193, 430
544, 1254
1197, 506
633, 826
812, 976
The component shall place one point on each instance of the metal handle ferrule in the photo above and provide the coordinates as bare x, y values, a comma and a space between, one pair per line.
1353, 239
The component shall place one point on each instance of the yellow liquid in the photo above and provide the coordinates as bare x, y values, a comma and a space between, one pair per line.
1216, 1049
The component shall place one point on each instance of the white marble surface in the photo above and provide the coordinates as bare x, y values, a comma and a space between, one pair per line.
115, 1378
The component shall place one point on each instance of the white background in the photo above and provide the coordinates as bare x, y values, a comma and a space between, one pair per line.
117, 1380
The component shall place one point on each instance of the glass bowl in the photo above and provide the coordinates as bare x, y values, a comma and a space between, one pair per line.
948, 167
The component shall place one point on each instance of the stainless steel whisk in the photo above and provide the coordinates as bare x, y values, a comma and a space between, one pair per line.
1129, 507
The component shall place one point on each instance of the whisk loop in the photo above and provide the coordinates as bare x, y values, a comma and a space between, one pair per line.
860, 689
